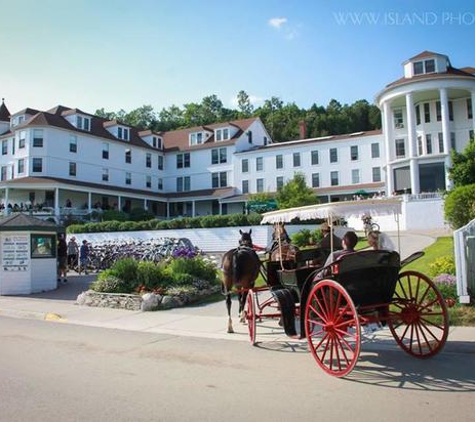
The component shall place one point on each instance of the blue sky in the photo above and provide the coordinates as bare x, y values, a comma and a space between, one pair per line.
126, 53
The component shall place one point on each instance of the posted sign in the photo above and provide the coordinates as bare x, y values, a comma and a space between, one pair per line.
15, 253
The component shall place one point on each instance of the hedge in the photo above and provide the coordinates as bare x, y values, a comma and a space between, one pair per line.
231, 220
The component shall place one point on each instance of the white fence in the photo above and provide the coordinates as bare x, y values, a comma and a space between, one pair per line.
464, 249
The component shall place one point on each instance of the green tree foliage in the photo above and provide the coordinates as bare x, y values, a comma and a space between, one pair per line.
295, 193
245, 108
463, 166
460, 206
280, 119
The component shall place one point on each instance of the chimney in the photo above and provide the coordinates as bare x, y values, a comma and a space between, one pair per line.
303, 129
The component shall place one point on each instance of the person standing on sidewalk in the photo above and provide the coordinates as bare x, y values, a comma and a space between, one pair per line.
62, 259
83, 255
73, 249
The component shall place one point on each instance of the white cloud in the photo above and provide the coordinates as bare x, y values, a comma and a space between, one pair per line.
254, 99
277, 22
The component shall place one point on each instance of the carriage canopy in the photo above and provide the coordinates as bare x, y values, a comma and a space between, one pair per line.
374, 207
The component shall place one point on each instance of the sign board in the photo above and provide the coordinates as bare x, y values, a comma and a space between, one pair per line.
262, 206
16, 252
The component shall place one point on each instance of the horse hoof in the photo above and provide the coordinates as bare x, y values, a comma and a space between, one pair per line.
230, 331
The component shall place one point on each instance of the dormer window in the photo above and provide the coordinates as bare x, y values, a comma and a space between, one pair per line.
222, 134
196, 138
157, 142
123, 133
425, 66
83, 123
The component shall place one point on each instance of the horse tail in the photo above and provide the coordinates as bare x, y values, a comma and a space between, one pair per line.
234, 266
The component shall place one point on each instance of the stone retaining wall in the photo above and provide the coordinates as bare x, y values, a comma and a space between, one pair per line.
147, 302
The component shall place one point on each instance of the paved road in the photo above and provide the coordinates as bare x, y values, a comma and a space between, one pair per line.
73, 373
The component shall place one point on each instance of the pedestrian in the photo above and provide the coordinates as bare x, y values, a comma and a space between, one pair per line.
83, 255
62, 259
73, 249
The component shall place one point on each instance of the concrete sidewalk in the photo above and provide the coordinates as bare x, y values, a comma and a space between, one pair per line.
205, 321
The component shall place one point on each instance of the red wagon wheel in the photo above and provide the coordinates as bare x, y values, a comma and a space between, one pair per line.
251, 316
418, 319
333, 328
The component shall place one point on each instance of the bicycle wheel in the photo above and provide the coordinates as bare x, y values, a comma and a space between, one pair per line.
375, 227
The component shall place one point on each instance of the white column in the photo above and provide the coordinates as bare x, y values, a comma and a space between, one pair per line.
168, 209
473, 108
56, 202
411, 135
89, 202
119, 203
387, 130
220, 208
7, 200
193, 209
444, 106
145, 204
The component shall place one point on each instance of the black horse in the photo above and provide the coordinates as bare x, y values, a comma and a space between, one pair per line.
240, 269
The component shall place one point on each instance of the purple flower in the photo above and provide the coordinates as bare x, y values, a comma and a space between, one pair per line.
447, 279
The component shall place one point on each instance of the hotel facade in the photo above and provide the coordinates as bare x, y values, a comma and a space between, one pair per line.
67, 161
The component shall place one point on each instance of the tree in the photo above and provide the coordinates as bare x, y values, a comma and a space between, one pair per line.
459, 206
295, 193
462, 171
245, 107
143, 117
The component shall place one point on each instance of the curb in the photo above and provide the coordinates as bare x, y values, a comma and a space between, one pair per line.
42, 316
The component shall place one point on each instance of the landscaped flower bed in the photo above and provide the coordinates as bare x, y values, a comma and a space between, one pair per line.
184, 278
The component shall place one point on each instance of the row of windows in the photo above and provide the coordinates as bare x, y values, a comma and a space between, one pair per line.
429, 143
314, 158
427, 113
334, 180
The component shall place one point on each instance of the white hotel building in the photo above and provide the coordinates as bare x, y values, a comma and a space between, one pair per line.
65, 156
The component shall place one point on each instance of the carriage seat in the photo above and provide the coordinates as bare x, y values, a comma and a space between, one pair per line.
369, 277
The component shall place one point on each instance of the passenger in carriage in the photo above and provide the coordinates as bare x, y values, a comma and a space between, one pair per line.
348, 243
325, 243
380, 241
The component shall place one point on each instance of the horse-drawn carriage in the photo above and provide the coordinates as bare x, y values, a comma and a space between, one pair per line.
329, 306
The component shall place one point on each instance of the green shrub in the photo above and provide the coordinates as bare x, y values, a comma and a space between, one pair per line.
110, 284
181, 279
196, 267
126, 270
317, 236
150, 275
302, 237
114, 215
254, 219
238, 220
442, 265
460, 206
76, 228
139, 214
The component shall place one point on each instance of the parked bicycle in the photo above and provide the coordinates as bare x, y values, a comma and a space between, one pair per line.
368, 224
102, 255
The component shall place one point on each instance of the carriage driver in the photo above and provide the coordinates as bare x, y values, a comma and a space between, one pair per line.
325, 243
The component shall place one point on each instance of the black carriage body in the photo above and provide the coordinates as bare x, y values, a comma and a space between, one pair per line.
369, 277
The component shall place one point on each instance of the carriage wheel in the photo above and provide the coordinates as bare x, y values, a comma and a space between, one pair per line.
251, 316
332, 328
418, 319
